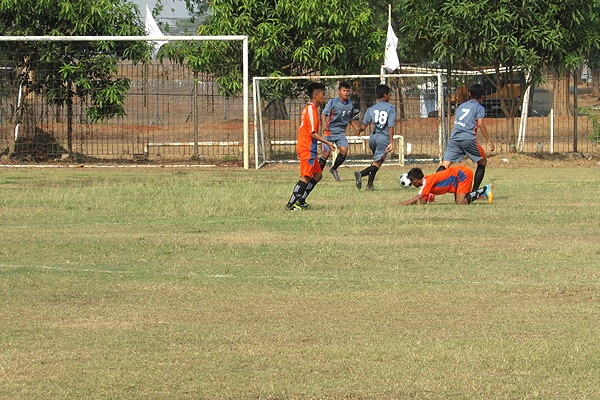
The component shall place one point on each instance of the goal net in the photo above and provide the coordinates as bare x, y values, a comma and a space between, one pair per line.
419, 128
106, 99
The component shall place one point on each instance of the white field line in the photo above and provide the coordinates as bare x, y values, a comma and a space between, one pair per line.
314, 278
65, 269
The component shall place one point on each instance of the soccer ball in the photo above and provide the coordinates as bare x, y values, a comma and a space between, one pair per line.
404, 181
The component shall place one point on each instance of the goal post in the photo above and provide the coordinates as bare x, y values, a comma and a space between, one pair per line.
419, 129
133, 147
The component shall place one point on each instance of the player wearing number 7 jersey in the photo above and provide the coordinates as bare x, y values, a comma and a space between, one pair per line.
382, 115
463, 140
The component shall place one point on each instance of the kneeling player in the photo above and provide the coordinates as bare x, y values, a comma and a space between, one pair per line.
457, 180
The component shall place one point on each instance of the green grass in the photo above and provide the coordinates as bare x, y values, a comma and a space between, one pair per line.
189, 284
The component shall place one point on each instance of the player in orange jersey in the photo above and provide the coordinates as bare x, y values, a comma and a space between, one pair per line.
306, 147
457, 180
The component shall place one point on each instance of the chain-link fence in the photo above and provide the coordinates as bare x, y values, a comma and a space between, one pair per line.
173, 114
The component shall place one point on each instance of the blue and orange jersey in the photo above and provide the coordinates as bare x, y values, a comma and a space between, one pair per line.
456, 179
309, 123
339, 114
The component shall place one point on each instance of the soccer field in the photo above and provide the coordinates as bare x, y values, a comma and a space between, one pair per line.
194, 283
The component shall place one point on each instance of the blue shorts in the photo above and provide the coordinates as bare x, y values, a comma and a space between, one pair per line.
338, 140
457, 149
378, 144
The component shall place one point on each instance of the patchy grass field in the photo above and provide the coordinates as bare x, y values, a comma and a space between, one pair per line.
168, 283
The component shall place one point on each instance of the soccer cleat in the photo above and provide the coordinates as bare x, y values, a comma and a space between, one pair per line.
358, 178
304, 206
370, 187
293, 207
335, 174
487, 192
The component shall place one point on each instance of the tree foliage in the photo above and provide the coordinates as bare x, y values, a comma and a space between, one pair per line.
506, 35
302, 37
65, 70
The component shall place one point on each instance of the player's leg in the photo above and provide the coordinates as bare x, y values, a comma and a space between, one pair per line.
479, 173
454, 153
300, 188
476, 153
316, 176
297, 193
378, 147
325, 153
463, 186
481, 193
309, 188
461, 199
375, 166
341, 157
342, 145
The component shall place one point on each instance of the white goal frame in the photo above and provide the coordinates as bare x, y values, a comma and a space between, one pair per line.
149, 38
258, 120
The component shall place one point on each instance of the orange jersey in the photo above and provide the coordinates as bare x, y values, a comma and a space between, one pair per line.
458, 179
306, 146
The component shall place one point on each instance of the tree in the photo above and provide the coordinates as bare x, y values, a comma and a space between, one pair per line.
69, 70
288, 38
505, 35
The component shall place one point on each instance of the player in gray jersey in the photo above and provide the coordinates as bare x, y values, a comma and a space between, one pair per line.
382, 115
463, 140
336, 116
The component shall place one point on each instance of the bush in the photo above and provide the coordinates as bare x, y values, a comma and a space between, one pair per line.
593, 115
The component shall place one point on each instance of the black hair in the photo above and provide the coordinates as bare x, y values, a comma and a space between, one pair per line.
310, 89
382, 90
476, 90
415, 173
344, 85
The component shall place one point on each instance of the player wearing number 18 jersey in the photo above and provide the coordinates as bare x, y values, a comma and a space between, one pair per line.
382, 115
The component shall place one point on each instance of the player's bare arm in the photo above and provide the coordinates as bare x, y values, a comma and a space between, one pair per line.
324, 120
413, 200
390, 147
483, 129
318, 136
356, 126
361, 129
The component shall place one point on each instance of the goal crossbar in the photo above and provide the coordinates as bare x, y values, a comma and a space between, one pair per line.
259, 145
158, 38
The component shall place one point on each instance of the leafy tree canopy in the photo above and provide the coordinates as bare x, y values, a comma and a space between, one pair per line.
67, 69
326, 37
506, 35
479, 33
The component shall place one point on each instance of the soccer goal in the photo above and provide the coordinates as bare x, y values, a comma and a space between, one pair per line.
53, 101
419, 129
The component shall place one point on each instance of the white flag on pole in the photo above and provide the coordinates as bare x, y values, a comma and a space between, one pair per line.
152, 29
391, 62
